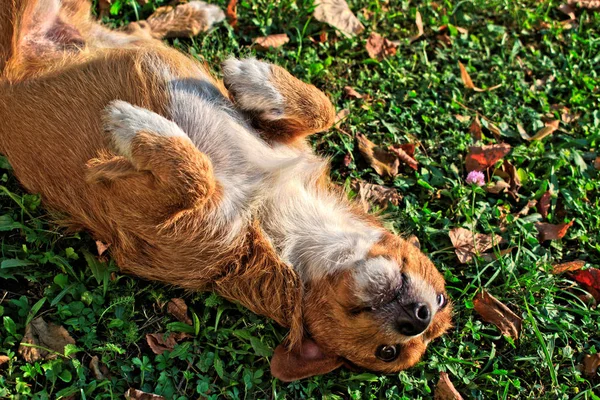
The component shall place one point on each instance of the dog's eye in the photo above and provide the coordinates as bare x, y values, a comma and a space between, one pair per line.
387, 353
441, 300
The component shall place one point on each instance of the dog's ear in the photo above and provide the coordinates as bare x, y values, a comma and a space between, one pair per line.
33, 28
301, 361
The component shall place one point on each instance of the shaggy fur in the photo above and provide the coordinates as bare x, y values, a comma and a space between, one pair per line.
208, 185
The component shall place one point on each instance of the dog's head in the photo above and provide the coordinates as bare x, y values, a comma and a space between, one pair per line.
379, 315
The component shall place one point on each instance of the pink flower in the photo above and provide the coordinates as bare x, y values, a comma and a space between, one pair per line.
476, 178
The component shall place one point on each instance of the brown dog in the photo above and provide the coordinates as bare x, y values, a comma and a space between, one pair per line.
210, 186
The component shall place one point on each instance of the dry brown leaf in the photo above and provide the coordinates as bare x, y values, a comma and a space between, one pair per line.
350, 92
567, 10
337, 14
543, 205
419, 23
341, 115
231, 13
101, 247
177, 308
597, 163
468, 82
567, 267
4, 360
383, 161
271, 41
135, 394
552, 232
481, 158
379, 47
590, 364
161, 342
522, 132
493, 311
377, 194
462, 118
591, 4
405, 153
525, 210
509, 173
95, 367
493, 256
475, 128
185, 20
444, 390
496, 187
40, 335
548, 129
468, 244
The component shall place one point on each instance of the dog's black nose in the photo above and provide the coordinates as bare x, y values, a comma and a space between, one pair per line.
415, 320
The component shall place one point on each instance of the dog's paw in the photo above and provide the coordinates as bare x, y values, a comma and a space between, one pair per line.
249, 82
124, 120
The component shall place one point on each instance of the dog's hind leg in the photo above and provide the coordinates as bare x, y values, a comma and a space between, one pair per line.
148, 143
283, 108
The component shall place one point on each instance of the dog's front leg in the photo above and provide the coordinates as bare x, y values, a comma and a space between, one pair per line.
282, 107
149, 144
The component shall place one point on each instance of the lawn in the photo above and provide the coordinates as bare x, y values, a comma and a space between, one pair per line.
542, 64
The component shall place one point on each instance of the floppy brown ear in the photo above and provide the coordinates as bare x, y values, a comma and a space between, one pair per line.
301, 361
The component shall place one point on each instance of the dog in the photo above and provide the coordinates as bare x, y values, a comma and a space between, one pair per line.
210, 185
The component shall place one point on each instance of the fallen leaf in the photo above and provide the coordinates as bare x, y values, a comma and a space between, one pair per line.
590, 280
481, 158
567, 10
543, 205
379, 47
444, 390
271, 41
497, 186
462, 118
597, 163
404, 155
337, 14
135, 394
377, 194
341, 115
548, 129
101, 247
591, 4
522, 132
43, 335
161, 342
468, 244
525, 210
466, 78
509, 173
4, 360
565, 113
383, 161
548, 231
231, 13
177, 308
493, 256
475, 128
95, 367
347, 160
350, 92
590, 364
184, 20
419, 23
567, 267
493, 311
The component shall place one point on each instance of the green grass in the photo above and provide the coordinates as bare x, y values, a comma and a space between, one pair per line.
415, 95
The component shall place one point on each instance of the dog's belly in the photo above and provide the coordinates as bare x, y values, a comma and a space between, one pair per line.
243, 163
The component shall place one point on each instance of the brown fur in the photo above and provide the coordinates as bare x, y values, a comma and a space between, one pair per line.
153, 208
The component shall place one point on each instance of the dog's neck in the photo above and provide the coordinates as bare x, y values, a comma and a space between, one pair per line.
315, 230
